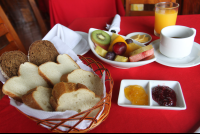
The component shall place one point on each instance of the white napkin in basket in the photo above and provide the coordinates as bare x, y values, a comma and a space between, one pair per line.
198, 130
68, 36
2, 79
115, 24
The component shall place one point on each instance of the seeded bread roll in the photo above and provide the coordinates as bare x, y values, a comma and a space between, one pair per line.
42, 51
71, 96
90, 80
10, 62
28, 79
38, 98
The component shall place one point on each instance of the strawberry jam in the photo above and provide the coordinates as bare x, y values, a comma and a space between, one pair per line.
164, 96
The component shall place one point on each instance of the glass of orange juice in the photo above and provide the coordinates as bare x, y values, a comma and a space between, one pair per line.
165, 15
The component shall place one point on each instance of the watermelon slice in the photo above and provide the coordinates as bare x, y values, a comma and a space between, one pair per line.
140, 56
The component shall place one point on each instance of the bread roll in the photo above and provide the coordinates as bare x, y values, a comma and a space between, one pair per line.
42, 51
10, 62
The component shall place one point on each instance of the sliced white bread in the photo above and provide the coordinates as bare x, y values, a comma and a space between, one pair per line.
38, 98
71, 96
52, 71
87, 78
27, 79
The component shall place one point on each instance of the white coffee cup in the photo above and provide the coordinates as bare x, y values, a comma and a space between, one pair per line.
177, 41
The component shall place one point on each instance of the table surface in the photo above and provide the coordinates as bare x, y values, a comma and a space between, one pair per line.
134, 120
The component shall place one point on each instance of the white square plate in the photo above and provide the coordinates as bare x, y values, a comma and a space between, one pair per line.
148, 86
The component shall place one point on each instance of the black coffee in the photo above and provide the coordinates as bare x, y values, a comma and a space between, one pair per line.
176, 37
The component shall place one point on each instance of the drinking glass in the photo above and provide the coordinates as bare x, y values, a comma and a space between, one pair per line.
165, 15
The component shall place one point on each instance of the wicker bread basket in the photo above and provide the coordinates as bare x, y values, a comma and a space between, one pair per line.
105, 103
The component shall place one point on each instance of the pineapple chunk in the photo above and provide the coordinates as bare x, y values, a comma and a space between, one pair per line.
100, 51
121, 58
134, 46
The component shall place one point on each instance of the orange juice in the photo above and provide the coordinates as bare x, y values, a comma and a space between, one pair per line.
164, 18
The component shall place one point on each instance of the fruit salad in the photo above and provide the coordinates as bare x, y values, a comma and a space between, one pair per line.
116, 48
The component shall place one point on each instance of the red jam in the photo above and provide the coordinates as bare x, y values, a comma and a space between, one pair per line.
164, 96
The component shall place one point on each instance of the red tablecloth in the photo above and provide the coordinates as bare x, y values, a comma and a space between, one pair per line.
66, 11
133, 120
43, 6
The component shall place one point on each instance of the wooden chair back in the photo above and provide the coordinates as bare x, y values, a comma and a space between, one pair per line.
9, 40
129, 12
7, 31
42, 25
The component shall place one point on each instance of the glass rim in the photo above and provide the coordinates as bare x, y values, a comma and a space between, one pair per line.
177, 5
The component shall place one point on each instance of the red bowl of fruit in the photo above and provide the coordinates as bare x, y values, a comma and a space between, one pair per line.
119, 51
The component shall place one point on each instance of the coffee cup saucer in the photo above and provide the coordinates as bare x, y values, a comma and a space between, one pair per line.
191, 60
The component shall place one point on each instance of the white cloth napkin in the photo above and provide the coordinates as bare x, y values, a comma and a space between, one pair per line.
68, 36
115, 24
2, 78
198, 130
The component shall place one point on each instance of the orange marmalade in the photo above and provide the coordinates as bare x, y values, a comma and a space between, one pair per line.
136, 94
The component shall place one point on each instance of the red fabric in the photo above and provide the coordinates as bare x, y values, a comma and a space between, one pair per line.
65, 11
44, 5
133, 120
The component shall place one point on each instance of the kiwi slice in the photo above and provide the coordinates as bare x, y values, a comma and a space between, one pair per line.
100, 37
